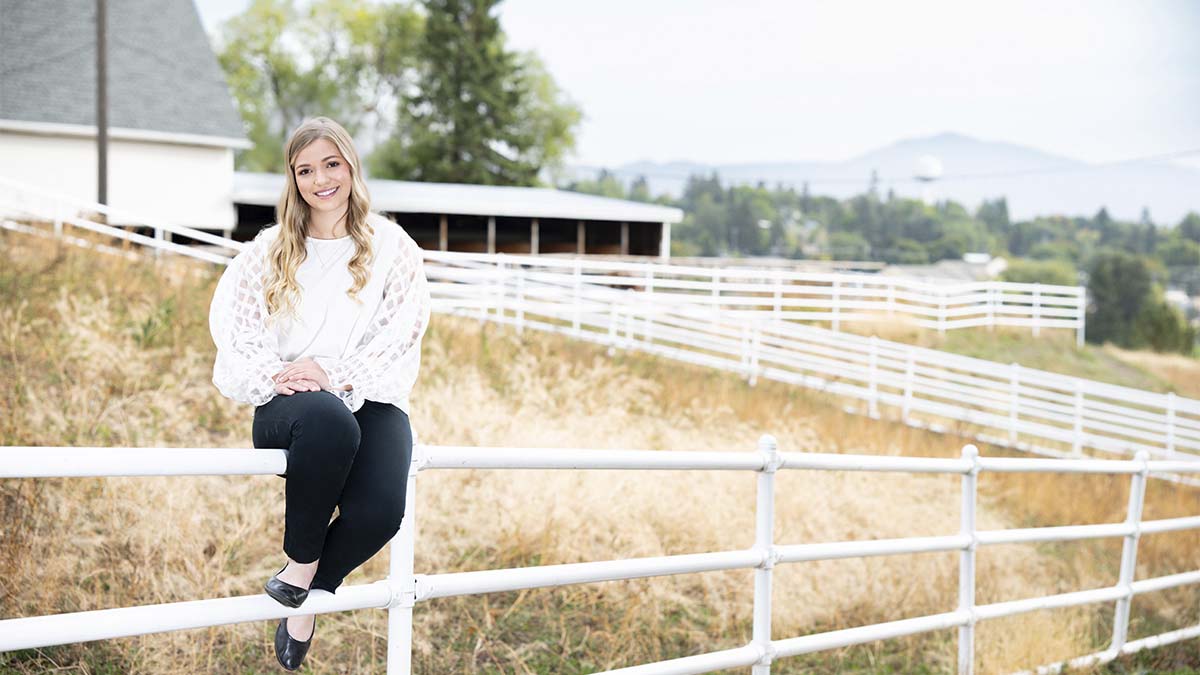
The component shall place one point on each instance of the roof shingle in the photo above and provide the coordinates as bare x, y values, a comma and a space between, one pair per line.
162, 73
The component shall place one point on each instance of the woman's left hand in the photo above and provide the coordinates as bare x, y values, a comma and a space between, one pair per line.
303, 369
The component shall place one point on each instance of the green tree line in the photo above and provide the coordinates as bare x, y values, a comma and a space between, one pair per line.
1125, 265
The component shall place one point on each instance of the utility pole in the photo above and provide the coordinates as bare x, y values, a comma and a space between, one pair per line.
102, 101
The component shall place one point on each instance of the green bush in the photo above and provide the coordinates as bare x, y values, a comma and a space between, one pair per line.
1058, 272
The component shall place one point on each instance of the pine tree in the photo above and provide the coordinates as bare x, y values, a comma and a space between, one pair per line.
483, 114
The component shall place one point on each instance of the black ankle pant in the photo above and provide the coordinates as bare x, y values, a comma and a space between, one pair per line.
357, 462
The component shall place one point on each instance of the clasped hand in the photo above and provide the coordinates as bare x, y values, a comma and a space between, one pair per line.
301, 375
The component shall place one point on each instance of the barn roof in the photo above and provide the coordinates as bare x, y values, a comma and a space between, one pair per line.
163, 77
396, 196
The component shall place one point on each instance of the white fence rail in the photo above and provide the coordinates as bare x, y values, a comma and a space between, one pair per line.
744, 293
20, 202
1025, 408
737, 320
809, 296
403, 588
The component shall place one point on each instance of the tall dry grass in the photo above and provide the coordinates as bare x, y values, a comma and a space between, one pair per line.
101, 351
1053, 350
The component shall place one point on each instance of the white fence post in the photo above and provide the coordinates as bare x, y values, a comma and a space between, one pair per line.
401, 578
755, 344
1077, 436
778, 309
1014, 400
716, 289
966, 563
1037, 309
1137, 495
520, 269
991, 306
501, 288
744, 351
651, 304
910, 368
1171, 422
578, 290
837, 301
873, 370
1082, 318
612, 328
941, 311
891, 297
764, 542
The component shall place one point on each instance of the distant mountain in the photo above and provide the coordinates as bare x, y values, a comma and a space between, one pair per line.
1035, 182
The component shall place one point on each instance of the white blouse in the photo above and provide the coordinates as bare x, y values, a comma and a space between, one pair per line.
372, 343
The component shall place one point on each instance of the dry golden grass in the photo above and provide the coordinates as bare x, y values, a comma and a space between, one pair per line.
104, 352
1181, 372
1053, 350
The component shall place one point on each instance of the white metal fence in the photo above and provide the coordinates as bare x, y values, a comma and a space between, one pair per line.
744, 293
403, 588
20, 202
836, 298
1025, 408
736, 320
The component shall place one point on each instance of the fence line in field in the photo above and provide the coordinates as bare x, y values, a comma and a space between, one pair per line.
714, 316
836, 298
742, 324
1029, 409
404, 588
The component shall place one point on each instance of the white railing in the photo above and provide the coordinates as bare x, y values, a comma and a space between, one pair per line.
835, 298
20, 203
625, 305
655, 308
1010, 405
403, 588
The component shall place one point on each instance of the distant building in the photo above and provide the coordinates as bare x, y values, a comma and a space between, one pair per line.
491, 219
973, 267
173, 126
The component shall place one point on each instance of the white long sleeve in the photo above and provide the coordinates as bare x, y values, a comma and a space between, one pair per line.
247, 352
372, 344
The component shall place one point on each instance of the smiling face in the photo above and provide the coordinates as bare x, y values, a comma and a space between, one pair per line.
323, 176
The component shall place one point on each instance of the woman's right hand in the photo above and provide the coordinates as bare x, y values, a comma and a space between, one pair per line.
292, 386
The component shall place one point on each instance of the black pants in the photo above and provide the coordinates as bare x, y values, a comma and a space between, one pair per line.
357, 462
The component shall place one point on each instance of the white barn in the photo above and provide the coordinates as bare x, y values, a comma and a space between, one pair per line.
173, 126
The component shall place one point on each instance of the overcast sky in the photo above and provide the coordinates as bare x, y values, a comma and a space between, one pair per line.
725, 81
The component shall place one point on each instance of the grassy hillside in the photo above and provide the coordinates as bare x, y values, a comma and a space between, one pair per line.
102, 351
1055, 351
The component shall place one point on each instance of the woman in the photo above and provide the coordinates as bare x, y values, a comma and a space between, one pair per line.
318, 323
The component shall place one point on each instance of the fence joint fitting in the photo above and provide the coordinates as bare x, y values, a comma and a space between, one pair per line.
400, 594
770, 557
766, 653
768, 447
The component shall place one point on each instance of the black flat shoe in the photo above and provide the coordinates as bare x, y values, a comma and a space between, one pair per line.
284, 593
288, 650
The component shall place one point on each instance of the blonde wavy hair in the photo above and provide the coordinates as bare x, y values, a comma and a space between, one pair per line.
288, 250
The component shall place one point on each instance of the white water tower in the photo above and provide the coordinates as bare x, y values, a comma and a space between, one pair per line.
928, 169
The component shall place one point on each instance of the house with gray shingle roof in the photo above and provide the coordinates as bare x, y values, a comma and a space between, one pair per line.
173, 125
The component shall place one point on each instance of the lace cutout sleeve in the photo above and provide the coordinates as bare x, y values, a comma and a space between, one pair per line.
384, 365
247, 350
